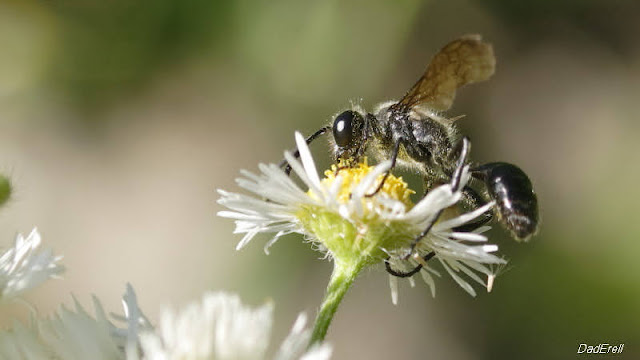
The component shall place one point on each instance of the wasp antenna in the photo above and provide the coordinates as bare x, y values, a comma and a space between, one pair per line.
296, 154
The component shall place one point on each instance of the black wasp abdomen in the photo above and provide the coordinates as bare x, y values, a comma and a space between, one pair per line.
516, 202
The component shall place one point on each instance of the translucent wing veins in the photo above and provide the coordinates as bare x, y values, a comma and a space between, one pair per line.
463, 61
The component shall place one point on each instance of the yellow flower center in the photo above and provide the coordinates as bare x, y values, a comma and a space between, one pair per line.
393, 186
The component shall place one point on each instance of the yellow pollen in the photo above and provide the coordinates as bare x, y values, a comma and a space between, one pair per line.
351, 176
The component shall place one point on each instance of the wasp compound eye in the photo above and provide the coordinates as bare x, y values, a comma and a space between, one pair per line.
343, 127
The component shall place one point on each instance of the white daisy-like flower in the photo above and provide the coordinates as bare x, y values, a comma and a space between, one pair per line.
337, 216
26, 265
75, 334
220, 327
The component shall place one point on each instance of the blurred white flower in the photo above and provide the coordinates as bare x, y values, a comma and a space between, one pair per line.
218, 328
75, 334
26, 265
336, 214
221, 327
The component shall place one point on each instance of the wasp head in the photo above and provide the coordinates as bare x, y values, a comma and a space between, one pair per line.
349, 136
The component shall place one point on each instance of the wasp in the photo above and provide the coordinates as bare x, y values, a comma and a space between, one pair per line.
413, 133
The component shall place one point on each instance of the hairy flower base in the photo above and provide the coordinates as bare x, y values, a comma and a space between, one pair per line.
347, 241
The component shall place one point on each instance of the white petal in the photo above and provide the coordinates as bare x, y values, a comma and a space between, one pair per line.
468, 236
462, 219
307, 160
297, 340
27, 265
299, 170
463, 284
393, 284
429, 281
490, 280
434, 201
365, 185
318, 352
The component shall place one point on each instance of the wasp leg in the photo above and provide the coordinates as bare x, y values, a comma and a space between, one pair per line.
285, 165
477, 201
338, 168
456, 178
394, 157
414, 271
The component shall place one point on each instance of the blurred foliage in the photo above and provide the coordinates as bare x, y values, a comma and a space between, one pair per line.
536, 20
110, 49
5, 189
554, 301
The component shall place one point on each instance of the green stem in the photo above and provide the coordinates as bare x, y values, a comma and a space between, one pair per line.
341, 279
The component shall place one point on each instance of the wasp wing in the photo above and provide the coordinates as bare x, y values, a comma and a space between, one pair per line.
462, 61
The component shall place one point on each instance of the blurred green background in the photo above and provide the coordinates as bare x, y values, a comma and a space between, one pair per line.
119, 119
